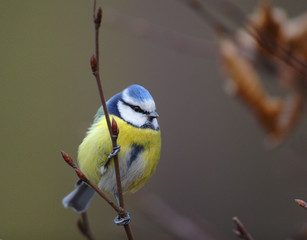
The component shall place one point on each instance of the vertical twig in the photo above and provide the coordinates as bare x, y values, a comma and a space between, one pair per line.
97, 21
84, 226
95, 67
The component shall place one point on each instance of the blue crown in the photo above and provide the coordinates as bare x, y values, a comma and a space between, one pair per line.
139, 93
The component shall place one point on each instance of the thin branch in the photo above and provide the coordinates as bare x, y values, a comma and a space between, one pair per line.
113, 134
82, 176
96, 73
241, 232
84, 226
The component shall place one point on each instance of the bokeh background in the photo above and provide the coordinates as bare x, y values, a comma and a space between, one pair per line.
213, 165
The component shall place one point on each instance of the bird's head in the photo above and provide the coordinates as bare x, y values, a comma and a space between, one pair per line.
136, 106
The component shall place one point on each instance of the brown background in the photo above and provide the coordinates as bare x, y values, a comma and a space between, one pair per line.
213, 165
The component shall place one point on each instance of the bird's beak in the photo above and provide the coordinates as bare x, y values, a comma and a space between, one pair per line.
153, 114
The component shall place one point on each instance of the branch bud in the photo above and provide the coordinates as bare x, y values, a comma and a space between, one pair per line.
98, 17
67, 159
81, 175
115, 129
301, 203
93, 63
238, 233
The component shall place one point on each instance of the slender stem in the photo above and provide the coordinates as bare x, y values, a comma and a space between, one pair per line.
241, 231
84, 226
97, 73
82, 176
118, 209
118, 181
94, 10
97, 20
105, 109
129, 232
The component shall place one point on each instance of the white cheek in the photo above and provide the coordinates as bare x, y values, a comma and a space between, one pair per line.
135, 118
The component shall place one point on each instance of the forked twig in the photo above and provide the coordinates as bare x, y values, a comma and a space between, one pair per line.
83, 224
241, 232
82, 176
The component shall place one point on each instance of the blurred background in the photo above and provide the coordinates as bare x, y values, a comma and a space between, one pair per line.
214, 164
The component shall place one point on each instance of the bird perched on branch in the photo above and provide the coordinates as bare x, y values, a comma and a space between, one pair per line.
140, 139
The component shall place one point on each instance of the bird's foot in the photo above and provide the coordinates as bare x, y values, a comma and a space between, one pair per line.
120, 221
114, 152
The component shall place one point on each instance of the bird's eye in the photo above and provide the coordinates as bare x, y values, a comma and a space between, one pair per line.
136, 108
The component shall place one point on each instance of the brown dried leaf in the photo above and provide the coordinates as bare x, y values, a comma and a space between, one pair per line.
280, 43
249, 89
267, 26
295, 31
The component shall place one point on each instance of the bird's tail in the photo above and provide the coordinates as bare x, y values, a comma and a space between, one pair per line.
80, 198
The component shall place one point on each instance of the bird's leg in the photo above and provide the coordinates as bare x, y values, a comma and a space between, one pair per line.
121, 220
113, 153
117, 199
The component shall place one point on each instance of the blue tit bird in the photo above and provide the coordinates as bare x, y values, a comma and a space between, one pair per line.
140, 139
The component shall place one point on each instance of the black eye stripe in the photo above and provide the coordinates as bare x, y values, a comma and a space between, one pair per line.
136, 108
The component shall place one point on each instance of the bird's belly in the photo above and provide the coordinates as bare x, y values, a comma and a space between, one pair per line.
134, 172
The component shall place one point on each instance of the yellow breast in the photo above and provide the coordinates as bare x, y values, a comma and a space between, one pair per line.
97, 145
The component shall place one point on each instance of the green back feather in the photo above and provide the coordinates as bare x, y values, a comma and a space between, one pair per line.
98, 115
